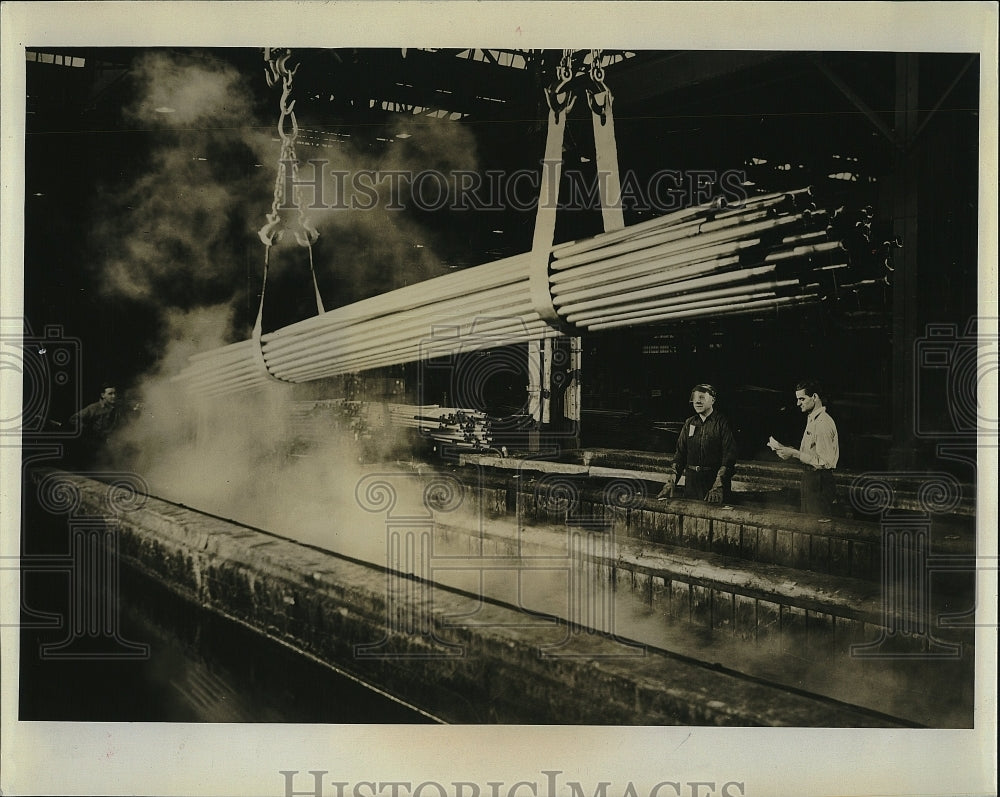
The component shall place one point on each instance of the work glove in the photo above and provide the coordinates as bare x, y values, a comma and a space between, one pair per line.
715, 493
668, 488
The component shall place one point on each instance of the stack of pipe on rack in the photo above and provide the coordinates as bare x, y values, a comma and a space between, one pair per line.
453, 426
313, 420
705, 260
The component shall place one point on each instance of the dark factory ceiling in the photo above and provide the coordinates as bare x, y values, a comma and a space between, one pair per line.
668, 104
772, 113
479, 84
475, 85
780, 119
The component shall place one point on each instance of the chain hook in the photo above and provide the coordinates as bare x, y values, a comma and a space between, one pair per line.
276, 66
269, 233
598, 95
559, 95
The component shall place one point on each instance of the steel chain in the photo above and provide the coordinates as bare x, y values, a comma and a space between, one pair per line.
277, 70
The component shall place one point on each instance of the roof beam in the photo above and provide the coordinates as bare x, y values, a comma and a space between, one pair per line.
873, 115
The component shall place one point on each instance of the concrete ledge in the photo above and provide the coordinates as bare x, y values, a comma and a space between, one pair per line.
491, 668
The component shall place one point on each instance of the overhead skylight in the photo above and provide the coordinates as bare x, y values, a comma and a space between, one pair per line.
54, 58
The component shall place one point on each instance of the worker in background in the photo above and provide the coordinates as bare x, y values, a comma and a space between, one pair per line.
819, 451
97, 421
706, 452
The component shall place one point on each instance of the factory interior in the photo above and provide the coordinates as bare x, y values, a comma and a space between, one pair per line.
404, 342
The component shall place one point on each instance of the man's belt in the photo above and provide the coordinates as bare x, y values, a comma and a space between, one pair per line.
701, 468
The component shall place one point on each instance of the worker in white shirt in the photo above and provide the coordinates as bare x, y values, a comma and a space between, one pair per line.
819, 451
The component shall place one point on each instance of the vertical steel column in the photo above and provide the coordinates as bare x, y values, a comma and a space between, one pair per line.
546, 397
572, 402
535, 391
613, 218
905, 199
538, 279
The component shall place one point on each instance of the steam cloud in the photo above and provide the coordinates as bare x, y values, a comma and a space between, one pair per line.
361, 253
175, 235
242, 460
182, 233
181, 239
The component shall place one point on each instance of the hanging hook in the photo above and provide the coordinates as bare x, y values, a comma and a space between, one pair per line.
308, 235
598, 95
560, 96
270, 233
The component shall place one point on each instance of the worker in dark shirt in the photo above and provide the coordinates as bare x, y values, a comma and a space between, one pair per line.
706, 452
96, 421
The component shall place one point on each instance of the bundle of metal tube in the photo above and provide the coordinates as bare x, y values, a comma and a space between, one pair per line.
454, 426
683, 266
476, 308
706, 260
482, 304
230, 369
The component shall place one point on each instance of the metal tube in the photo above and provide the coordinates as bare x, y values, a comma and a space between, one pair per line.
716, 221
652, 316
232, 387
414, 353
784, 301
203, 375
658, 291
570, 248
404, 355
664, 266
648, 280
745, 308
669, 267
806, 236
792, 194
508, 299
325, 330
386, 304
709, 232
502, 332
221, 352
798, 251
223, 372
364, 336
677, 299
685, 247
